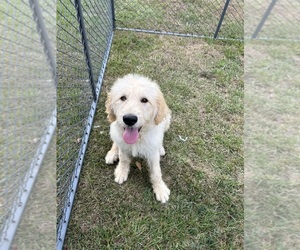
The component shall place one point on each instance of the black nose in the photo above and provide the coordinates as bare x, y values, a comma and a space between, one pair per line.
130, 119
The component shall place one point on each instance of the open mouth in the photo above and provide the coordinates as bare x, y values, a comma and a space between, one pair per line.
131, 134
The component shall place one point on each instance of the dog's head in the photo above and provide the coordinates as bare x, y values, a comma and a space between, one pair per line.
135, 103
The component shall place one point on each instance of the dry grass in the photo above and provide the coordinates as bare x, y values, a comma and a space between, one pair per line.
272, 145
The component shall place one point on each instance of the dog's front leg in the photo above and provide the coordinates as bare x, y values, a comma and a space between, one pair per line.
122, 169
162, 192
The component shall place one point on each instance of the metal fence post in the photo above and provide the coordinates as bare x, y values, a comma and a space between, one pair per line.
113, 14
85, 45
221, 18
264, 18
37, 16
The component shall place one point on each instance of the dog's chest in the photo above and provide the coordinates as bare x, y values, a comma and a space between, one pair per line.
135, 152
138, 150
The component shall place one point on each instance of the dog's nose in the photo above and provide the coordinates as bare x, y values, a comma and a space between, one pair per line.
130, 119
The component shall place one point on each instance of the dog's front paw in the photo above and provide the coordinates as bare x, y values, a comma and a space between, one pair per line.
111, 157
162, 192
121, 174
162, 151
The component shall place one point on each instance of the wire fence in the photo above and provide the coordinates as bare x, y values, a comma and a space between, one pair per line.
27, 117
272, 19
84, 35
204, 18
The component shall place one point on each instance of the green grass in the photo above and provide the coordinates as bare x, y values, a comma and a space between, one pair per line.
202, 83
272, 145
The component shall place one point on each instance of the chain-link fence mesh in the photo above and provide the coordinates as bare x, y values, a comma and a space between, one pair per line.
185, 17
272, 19
84, 35
28, 96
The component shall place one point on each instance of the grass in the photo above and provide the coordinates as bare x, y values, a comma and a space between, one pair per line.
202, 83
272, 145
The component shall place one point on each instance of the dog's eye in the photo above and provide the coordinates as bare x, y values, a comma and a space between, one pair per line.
123, 98
144, 100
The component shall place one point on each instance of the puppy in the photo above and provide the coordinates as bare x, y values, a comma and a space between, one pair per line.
139, 117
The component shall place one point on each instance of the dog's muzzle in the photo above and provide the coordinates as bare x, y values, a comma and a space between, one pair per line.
131, 133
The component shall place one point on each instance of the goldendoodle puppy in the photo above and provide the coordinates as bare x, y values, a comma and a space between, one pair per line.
139, 117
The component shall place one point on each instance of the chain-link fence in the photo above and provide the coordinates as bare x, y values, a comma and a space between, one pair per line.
272, 19
84, 35
203, 18
27, 97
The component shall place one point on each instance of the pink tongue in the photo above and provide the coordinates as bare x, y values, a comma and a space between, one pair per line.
130, 135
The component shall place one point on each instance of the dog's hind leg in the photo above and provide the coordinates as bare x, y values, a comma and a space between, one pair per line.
112, 155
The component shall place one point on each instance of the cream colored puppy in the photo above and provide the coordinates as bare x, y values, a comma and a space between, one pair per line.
139, 117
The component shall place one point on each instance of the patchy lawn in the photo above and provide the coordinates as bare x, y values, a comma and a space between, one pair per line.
202, 81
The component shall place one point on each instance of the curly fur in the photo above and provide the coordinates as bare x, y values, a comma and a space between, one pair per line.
139, 96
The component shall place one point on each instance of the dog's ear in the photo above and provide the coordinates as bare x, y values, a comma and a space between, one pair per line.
108, 105
162, 109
